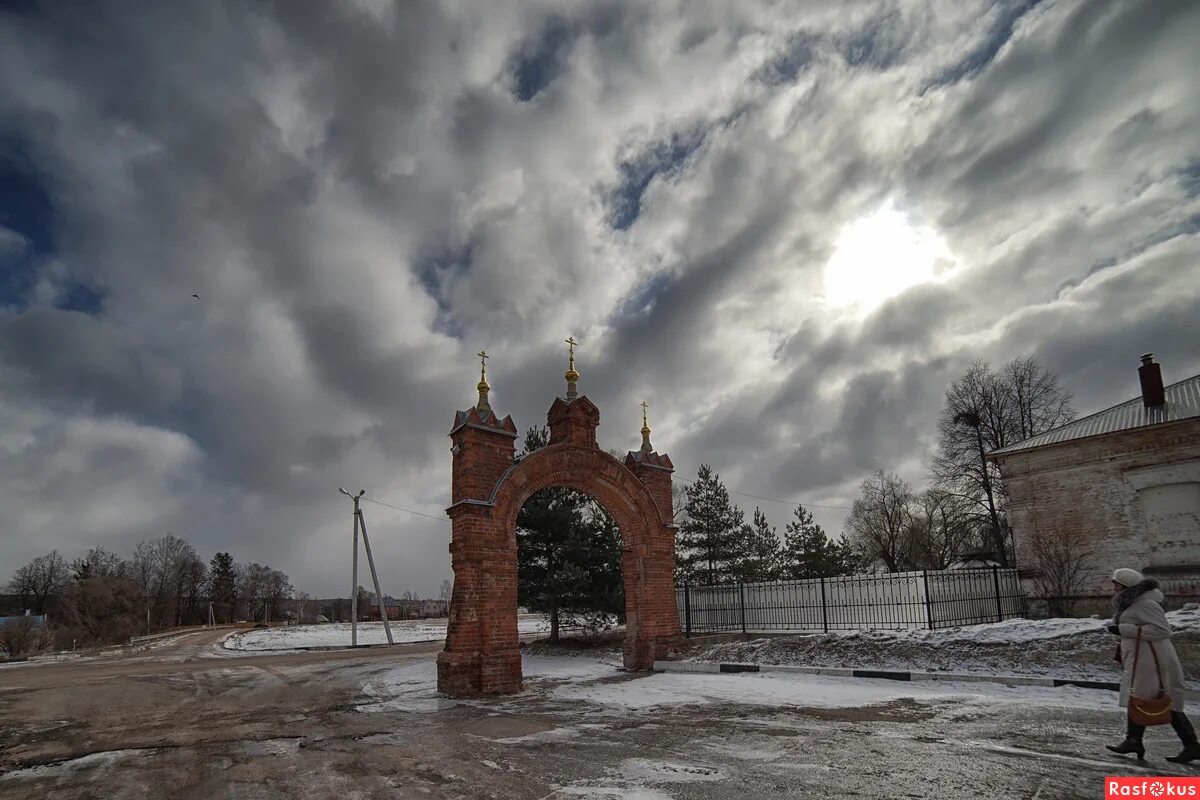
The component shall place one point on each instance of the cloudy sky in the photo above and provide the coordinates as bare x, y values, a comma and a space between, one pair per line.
787, 226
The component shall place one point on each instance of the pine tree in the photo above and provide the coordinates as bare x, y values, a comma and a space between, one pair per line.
848, 559
807, 551
568, 554
222, 586
760, 557
708, 541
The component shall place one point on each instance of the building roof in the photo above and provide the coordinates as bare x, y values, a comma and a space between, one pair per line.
1183, 402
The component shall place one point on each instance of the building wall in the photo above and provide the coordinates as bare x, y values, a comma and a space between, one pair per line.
1132, 497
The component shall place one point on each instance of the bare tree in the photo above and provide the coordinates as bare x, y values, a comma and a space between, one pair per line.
39, 580
880, 520
1060, 559
159, 567
254, 590
678, 501
278, 589
192, 580
942, 529
985, 411
98, 562
1038, 401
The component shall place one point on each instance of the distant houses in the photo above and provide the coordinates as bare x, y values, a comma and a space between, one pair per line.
338, 609
402, 609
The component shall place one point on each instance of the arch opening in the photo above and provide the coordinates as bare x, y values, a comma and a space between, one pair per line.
569, 551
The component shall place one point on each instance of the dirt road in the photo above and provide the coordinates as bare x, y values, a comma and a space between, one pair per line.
181, 722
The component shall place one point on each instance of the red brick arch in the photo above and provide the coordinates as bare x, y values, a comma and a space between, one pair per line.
482, 654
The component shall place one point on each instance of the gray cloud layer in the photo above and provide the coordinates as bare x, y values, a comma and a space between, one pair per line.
363, 195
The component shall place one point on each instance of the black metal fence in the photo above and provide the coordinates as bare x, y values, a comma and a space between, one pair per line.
925, 599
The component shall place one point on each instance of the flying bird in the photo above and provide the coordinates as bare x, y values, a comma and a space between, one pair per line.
196, 296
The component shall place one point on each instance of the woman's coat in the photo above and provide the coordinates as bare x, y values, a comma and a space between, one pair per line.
1147, 613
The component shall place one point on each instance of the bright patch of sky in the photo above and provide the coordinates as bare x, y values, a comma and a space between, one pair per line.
878, 256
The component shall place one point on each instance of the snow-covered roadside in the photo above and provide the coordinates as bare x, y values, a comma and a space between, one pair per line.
589, 685
338, 634
1074, 648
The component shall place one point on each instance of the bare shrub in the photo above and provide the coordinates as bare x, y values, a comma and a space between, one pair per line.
22, 636
1060, 559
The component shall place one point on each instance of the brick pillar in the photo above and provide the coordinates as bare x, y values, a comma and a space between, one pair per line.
482, 654
652, 566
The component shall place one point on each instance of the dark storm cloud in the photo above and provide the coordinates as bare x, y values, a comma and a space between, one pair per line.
365, 194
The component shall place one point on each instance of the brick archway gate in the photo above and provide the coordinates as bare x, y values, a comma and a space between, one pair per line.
490, 485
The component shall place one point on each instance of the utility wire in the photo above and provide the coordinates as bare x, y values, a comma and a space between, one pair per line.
409, 510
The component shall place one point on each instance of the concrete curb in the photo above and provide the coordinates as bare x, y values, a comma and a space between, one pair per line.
713, 667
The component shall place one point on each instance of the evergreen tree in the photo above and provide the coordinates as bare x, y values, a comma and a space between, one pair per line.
807, 551
760, 559
222, 586
849, 559
708, 541
568, 554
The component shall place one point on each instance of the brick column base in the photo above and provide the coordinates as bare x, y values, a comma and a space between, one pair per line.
640, 654
475, 674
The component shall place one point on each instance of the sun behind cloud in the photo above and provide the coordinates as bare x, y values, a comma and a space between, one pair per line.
878, 256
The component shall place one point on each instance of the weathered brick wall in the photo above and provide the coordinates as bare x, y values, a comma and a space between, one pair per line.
1103, 489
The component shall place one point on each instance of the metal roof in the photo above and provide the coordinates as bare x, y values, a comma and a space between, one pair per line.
1183, 402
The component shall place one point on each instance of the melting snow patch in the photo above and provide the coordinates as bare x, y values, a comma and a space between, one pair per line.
102, 760
805, 691
641, 770
337, 634
613, 793
288, 746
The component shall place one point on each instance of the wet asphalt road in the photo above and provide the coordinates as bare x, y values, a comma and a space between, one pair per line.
180, 723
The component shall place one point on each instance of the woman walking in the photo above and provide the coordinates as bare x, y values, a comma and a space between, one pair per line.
1139, 617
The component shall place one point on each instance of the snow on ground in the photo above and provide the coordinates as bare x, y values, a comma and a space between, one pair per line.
1014, 631
599, 689
337, 634
779, 690
1065, 648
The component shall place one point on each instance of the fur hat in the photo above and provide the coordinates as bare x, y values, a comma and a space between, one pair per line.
1127, 577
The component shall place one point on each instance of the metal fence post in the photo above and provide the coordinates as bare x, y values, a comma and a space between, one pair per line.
742, 602
928, 598
687, 612
824, 607
996, 582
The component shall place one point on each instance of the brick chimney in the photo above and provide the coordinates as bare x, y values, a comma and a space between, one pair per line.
1150, 375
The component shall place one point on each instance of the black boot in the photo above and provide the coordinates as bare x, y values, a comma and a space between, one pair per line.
1187, 735
1133, 741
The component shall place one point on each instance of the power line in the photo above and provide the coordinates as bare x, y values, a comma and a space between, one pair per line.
409, 510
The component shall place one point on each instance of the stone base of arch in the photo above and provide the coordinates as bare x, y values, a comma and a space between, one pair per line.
482, 653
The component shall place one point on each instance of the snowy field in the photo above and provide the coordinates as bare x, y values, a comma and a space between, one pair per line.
338, 634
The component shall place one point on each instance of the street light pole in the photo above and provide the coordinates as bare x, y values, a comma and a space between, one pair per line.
362, 523
354, 571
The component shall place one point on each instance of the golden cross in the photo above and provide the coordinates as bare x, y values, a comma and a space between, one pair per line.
644, 424
483, 357
570, 340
